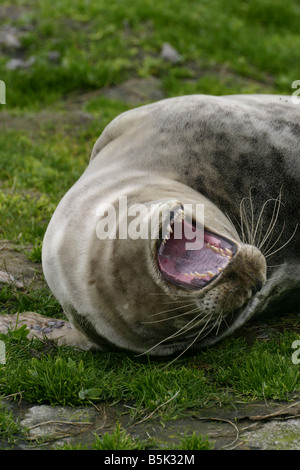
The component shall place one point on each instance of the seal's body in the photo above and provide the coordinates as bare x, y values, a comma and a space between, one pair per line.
239, 157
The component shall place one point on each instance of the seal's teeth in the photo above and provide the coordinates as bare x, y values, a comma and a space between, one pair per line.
220, 251
196, 274
179, 212
179, 215
229, 252
166, 238
202, 275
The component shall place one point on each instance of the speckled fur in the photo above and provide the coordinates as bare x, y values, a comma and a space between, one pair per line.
204, 149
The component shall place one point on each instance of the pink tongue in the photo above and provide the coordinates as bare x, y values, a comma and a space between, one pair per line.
192, 268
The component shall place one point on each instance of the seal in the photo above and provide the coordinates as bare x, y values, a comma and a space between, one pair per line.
237, 158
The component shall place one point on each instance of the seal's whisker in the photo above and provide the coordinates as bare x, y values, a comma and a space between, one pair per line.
268, 236
275, 265
252, 219
169, 310
219, 322
167, 294
259, 223
186, 327
191, 344
192, 326
224, 319
236, 219
259, 234
276, 209
244, 220
194, 341
282, 246
266, 251
273, 278
168, 318
173, 302
174, 335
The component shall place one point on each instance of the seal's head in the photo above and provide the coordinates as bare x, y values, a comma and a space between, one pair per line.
205, 286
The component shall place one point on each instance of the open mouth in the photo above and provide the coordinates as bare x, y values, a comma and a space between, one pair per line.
190, 268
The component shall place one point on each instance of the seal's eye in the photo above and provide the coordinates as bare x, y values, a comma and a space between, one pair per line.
193, 268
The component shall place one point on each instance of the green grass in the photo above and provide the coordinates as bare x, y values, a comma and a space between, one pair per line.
119, 439
9, 428
226, 48
194, 442
68, 377
40, 300
102, 44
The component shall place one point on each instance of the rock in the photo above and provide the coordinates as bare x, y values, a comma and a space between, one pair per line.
275, 435
7, 278
9, 37
51, 422
15, 64
15, 267
11, 12
39, 326
169, 54
54, 56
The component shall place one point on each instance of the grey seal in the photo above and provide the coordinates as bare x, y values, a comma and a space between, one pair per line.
236, 156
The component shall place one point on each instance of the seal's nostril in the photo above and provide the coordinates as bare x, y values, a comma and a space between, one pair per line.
257, 287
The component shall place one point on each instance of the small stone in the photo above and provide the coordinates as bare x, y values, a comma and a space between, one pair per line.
169, 54
53, 56
275, 435
36, 327
3, 329
59, 324
52, 422
7, 278
9, 38
47, 330
51, 323
14, 64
